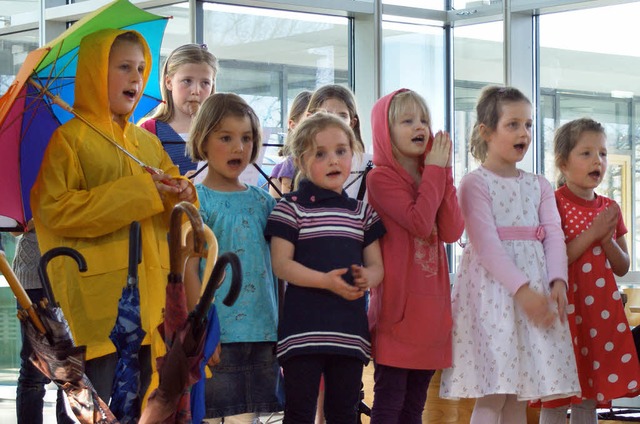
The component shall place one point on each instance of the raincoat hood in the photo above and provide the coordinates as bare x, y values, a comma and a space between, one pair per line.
382, 146
92, 77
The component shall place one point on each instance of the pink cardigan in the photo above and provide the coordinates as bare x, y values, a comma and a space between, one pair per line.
410, 312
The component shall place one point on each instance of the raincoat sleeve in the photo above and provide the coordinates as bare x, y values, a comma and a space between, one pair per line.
475, 203
398, 200
66, 205
449, 219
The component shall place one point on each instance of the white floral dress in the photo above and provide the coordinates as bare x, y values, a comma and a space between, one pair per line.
496, 349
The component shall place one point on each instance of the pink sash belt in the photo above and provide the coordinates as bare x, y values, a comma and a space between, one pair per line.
521, 233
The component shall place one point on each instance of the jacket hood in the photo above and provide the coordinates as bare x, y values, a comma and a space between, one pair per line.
91, 89
382, 147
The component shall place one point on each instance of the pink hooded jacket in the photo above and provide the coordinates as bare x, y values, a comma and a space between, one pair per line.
410, 312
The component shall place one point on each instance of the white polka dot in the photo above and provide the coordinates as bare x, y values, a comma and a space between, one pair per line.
571, 309
584, 351
626, 358
605, 314
597, 250
600, 397
607, 264
590, 381
632, 384
596, 365
608, 346
586, 267
621, 327
612, 378
588, 300
575, 288
593, 332
578, 319
616, 295
600, 282
575, 341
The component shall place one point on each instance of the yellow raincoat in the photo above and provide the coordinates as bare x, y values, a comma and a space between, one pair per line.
87, 194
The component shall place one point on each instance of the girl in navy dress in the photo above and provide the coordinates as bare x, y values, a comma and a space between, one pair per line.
325, 245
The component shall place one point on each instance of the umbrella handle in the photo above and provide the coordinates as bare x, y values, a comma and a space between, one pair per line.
44, 261
177, 252
135, 252
198, 316
20, 293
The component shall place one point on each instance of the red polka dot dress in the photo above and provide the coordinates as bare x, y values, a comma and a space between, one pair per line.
606, 357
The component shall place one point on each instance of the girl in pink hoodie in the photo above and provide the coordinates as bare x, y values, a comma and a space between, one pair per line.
411, 188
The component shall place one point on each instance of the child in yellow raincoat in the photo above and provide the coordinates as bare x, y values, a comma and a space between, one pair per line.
88, 192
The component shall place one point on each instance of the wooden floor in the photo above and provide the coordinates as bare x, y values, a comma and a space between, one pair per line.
440, 411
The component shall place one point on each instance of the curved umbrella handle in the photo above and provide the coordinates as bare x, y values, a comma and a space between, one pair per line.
177, 252
199, 314
135, 252
44, 261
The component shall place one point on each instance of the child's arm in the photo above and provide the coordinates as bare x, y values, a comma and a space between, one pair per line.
555, 248
294, 272
369, 275
394, 197
602, 227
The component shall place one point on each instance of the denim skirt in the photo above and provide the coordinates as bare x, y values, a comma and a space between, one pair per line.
245, 380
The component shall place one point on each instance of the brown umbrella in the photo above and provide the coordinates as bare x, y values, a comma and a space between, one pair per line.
54, 351
184, 333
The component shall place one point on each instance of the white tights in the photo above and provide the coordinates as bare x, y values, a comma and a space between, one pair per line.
582, 413
499, 409
247, 418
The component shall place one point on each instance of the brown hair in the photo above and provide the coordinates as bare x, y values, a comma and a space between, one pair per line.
303, 138
297, 111
489, 111
183, 55
566, 138
334, 91
214, 109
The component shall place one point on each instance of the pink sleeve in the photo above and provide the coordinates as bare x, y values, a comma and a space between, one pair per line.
392, 196
475, 203
555, 248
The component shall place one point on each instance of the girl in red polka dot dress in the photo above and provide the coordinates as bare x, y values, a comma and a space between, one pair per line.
594, 230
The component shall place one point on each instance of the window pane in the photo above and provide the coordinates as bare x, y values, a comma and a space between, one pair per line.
13, 51
587, 73
269, 56
422, 4
413, 57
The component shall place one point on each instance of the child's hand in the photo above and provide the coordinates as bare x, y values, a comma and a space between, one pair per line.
186, 193
559, 297
604, 225
440, 153
215, 358
334, 282
535, 306
361, 277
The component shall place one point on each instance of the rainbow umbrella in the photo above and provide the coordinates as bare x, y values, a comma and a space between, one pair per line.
37, 102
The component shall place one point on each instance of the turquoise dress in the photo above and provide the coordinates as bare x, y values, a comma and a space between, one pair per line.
238, 220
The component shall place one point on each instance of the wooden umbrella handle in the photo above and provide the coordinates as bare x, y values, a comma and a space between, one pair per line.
20, 293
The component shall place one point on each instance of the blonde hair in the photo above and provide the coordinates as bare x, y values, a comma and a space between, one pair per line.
303, 138
489, 111
334, 91
408, 100
566, 138
183, 55
214, 109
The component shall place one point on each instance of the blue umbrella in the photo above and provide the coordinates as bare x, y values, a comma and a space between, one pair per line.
127, 335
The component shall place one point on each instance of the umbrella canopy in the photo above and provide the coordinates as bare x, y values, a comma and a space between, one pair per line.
184, 334
55, 353
127, 335
38, 100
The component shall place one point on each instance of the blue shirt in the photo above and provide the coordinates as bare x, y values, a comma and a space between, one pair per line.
329, 231
238, 220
